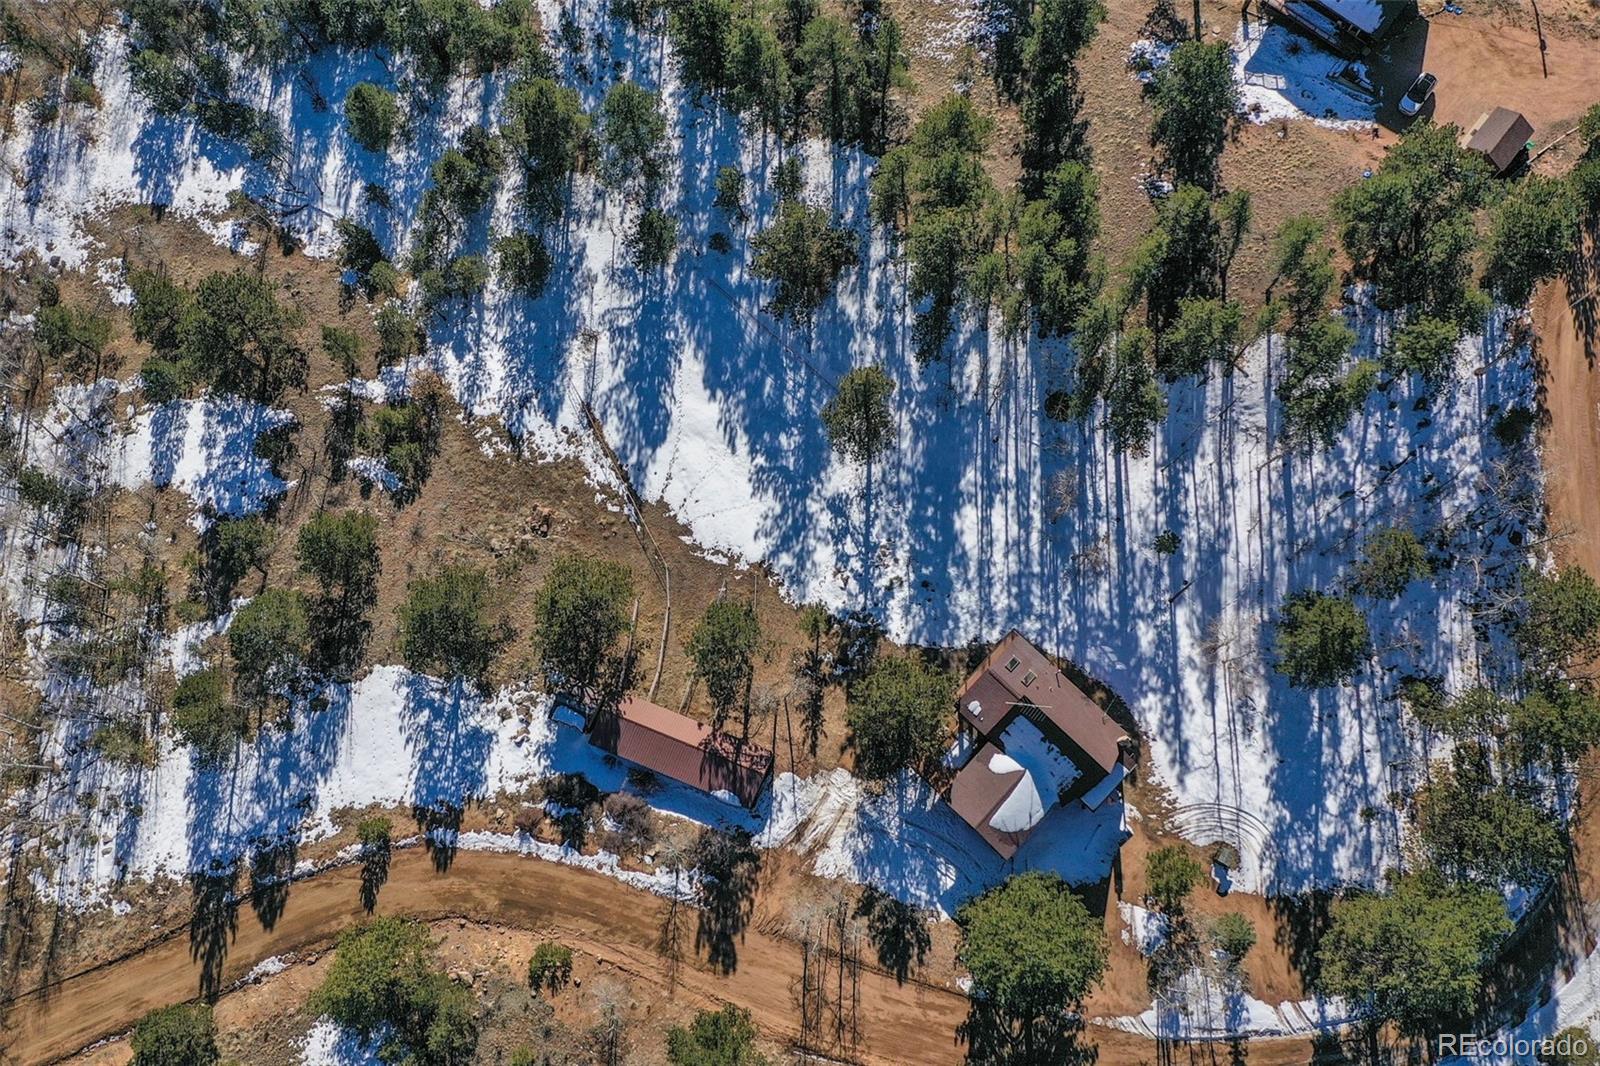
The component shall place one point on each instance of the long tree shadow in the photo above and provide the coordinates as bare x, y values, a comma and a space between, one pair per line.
898, 931
271, 875
374, 872
440, 826
728, 864
1053, 1039
212, 923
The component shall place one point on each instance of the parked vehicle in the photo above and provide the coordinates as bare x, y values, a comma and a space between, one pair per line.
1418, 94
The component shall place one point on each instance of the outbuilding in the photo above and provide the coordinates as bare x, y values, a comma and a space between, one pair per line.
1501, 136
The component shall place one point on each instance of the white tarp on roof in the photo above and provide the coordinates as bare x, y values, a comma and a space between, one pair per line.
1045, 773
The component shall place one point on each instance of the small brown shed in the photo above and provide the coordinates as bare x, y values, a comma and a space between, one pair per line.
1500, 137
678, 747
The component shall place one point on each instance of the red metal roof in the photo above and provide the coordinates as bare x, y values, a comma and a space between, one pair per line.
682, 749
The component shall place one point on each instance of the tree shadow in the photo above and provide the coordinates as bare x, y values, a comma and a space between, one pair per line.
440, 826
898, 931
212, 923
728, 864
1302, 920
271, 876
374, 872
1055, 1039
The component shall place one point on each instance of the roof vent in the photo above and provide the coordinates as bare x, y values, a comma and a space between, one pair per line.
975, 709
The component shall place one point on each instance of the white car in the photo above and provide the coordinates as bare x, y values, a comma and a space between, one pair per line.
1418, 94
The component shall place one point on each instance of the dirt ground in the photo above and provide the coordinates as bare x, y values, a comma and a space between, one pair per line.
609, 923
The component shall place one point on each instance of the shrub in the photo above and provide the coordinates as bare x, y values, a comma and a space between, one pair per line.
551, 967
1234, 936
723, 1037
183, 1035
1171, 873
1390, 560
579, 613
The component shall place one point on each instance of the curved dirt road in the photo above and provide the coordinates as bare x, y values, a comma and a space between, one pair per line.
908, 1023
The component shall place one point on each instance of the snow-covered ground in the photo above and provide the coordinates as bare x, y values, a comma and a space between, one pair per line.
985, 516
1211, 1001
1281, 75
1575, 1003
328, 1043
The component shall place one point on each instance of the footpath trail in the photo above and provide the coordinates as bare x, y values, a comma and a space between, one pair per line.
910, 1023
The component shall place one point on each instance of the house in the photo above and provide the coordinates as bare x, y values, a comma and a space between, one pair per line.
678, 747
1027, 740
1349, 27
1500, 136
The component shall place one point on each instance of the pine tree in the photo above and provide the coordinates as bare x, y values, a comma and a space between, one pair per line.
372, 116
723, 648
858, 418
803, 252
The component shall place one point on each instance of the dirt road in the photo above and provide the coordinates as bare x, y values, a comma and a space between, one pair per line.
1571, 388
909, 1023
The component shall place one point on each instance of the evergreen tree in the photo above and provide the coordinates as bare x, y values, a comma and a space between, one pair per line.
833, 72
75, 335
372, 116
524, 262
633, 139
899, 716
442, 626
700, 31
1135, 404
161, 309
1171, 873
269, 639
653, 240
1390, 560
1055, 237
1413, 956
1409, 229
1205, 333
340, 550
938, 189
1477, 828
858, 419
1196, 101
884, 70
579, 613
758, 72
545, 127
241, 339
203, 716
1034, 952
1053, 133
723, 648
230, 549
1321, 639
384, 985
1426, 347
803, 252
1533, 236
1560, 623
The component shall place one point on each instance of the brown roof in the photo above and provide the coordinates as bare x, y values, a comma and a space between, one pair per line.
1017, 678
998, 687
1500, 135
976, 792
683, 749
